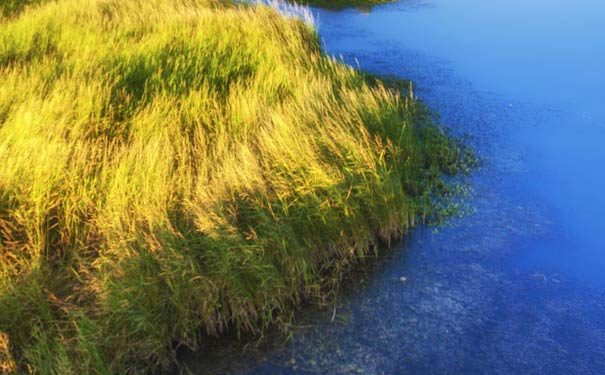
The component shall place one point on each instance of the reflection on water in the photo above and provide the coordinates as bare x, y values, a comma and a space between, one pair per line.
518, 287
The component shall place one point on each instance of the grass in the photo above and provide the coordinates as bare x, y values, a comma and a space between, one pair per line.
12, 7
170, 169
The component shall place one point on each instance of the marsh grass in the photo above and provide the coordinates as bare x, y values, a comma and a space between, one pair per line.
173, 168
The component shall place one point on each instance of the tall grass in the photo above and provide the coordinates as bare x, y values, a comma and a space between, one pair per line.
173, 168
13, 7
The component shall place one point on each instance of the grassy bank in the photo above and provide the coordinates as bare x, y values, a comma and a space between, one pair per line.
10, 8
173, 168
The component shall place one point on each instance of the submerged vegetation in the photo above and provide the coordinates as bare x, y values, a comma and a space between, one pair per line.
341, 3
173, 168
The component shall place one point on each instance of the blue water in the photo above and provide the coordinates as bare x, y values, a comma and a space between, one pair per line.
518, 287
547, 54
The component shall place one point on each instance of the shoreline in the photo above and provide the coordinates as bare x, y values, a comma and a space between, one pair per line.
208, 167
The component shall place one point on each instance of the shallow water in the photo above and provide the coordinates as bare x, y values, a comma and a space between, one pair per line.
517, 287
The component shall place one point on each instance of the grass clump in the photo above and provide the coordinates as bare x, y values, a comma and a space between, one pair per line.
171, 168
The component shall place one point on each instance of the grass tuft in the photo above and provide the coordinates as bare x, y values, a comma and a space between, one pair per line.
173, 168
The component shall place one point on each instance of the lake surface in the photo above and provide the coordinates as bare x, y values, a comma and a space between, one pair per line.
517, 287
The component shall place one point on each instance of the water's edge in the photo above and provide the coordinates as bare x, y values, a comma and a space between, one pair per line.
509, 289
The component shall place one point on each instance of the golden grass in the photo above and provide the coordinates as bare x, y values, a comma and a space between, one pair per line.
173, 168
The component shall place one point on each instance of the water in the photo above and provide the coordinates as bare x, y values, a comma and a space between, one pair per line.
518, 287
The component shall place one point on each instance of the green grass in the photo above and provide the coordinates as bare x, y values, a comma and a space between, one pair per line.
170, 169
13, 7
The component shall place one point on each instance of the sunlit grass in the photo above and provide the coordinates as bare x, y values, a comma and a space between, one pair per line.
172, 168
